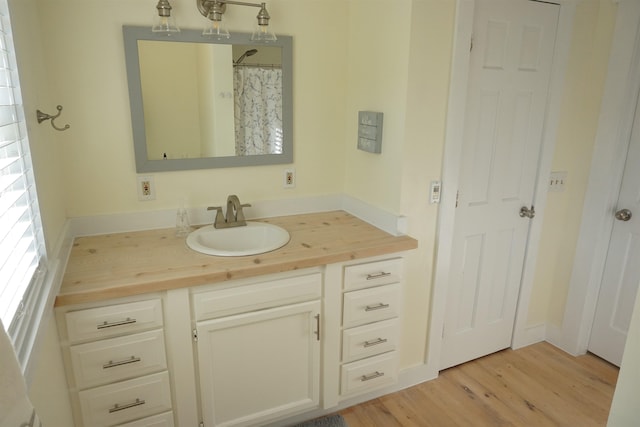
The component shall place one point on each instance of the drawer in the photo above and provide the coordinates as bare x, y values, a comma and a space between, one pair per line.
372, 274
370, 305
116, 359
258, 296
112, 320
162, 420
125, 401
369, 374
370, 340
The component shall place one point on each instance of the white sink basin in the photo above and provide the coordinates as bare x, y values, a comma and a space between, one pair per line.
252, 239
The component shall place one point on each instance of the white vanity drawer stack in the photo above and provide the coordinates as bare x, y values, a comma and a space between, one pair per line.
370, 325
119, 365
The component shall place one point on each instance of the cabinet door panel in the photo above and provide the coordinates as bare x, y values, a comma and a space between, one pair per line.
259, 366
118, 403
116, 359
369, 374
372, 274
258, 296
371, 305
113, 320
162, 420
370, 340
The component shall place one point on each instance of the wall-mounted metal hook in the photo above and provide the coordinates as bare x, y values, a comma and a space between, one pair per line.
44, 116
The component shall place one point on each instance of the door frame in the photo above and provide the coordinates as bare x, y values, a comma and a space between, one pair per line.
616, 119
451, 169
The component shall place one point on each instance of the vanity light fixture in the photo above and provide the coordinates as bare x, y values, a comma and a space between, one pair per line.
214, 9
164, 22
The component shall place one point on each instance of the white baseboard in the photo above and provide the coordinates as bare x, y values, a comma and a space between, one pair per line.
530, 335
392, 224
555, 337
149, 220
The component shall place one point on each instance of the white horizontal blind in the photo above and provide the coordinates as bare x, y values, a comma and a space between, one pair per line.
21, 240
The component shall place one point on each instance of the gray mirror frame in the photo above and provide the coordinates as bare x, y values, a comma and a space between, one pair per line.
143, 165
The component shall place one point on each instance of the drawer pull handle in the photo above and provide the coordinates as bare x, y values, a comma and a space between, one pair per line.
117, 407
378, 275
378, 306
373, 376
113, 364
106, 324
317, 317
375, 342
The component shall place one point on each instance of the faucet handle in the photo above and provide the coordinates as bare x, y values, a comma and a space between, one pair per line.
219, 216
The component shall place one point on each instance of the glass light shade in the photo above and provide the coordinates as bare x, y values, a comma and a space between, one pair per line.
262, 34
164, 24
216, 31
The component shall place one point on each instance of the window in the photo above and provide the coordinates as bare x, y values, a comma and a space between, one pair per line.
22, 251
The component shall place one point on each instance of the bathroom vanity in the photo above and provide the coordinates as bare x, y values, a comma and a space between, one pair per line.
155, 334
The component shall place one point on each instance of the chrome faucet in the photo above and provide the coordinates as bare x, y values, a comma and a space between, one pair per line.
235, 215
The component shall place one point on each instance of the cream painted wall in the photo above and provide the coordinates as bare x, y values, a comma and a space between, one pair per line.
172, 119
429, 62
84, 51
46, 143
378, 51
584, 85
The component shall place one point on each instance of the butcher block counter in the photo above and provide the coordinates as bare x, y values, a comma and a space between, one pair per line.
133, 263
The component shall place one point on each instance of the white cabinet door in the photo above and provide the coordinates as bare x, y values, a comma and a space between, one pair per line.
259, 366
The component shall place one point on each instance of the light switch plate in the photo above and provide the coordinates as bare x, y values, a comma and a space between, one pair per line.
436, 189
557, 181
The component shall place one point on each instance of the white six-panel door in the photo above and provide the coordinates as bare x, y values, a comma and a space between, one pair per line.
622, 268
510, 66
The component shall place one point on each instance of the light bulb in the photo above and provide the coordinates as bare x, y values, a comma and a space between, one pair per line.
165, 24
262, 34
216, 31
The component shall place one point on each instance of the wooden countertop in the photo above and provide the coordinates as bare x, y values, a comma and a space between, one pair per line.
125, 264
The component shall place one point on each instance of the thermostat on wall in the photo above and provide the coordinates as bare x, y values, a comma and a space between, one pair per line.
370, 131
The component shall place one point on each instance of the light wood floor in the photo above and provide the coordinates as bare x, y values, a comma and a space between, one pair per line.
535, 386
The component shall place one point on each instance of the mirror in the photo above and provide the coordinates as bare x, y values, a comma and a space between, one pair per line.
198, 103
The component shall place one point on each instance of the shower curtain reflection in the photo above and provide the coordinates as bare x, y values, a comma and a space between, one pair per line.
258, 110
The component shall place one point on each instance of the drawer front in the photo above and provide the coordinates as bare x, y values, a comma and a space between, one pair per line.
371, 305
370, 340
372, 274
162, 420
116, 359
109, 321
225, 302
368, 374
125, 401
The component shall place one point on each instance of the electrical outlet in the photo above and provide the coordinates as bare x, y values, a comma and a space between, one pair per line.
146, 188
289, 178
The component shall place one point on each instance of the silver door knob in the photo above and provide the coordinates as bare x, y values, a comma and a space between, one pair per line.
623, 215
526, 212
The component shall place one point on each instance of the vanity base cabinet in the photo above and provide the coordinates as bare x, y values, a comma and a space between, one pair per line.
115, 355
259, 366
247, 352
371, 304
